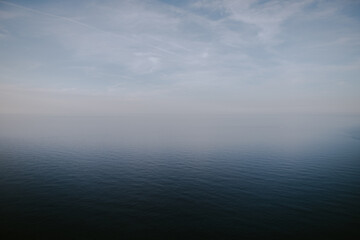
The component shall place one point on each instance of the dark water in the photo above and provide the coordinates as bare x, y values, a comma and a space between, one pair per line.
224, 177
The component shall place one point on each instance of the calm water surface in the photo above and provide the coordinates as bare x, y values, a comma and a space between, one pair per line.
208, 177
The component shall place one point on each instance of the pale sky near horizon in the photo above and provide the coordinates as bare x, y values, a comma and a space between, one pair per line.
166, 56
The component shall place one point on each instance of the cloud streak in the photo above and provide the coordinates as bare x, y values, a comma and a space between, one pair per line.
231, 54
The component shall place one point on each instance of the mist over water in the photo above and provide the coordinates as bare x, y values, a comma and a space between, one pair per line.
179, 119
176, 177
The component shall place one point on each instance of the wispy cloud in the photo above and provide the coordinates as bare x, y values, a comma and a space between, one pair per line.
219, 52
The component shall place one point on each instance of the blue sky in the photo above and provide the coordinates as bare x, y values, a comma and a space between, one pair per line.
225, 56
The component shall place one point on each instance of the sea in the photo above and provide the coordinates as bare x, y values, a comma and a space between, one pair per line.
245, 176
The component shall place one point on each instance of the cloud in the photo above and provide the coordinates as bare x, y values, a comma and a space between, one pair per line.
202, 53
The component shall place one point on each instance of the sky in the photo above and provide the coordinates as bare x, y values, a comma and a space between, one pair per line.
179, 57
